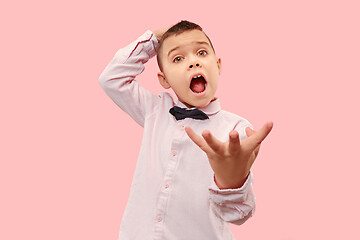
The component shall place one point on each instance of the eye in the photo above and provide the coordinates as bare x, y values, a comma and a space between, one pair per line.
202, 53
178, 59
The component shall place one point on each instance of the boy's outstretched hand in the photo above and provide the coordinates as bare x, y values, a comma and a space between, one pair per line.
231, 161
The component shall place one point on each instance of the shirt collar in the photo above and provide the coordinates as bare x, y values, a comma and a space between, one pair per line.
212, 108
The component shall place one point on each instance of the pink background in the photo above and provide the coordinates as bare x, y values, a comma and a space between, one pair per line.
68, 152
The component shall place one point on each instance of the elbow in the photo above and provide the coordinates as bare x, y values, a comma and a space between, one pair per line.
106, 83
102, 81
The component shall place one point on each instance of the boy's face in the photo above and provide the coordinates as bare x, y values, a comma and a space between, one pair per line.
184, 58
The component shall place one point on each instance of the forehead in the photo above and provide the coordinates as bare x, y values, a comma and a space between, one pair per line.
187, 38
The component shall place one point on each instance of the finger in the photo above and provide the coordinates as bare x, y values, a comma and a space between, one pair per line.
249, 131
255, 140
198, 140
216, 145
234, 142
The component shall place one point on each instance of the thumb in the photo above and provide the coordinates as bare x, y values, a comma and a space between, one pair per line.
249, 131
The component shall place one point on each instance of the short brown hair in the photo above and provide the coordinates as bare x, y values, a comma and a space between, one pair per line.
177, 29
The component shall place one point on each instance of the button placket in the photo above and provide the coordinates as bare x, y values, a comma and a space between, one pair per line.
176, 144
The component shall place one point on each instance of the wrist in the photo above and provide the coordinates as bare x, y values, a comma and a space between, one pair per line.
230, 184
157, 34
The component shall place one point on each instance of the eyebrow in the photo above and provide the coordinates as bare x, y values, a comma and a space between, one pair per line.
196, 42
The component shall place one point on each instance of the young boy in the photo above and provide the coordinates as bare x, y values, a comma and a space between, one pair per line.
185, 186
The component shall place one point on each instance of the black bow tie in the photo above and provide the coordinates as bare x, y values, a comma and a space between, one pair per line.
181, 113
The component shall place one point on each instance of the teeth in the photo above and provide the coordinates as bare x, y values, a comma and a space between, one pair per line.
198, 76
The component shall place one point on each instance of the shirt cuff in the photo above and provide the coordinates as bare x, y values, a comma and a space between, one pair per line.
215, 189
149, 36
146, 43
233, 205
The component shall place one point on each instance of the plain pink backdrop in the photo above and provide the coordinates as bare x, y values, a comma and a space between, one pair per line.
68, 153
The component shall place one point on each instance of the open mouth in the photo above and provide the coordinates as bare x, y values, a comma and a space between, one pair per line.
198, 84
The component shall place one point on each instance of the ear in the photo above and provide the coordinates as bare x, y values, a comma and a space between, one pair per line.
219, 64
162, 80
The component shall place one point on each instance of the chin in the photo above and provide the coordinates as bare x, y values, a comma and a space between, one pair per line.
198, 102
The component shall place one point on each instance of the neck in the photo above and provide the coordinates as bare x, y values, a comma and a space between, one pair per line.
191, 106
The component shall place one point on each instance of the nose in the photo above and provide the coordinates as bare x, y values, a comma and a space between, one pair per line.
192, 65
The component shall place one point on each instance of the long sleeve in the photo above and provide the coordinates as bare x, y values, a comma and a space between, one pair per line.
118, 78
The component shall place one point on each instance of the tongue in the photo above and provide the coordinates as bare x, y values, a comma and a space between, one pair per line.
197, 85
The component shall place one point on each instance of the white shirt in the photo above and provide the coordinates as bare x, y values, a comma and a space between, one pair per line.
173, 194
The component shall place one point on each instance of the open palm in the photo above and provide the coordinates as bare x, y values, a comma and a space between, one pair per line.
231, 161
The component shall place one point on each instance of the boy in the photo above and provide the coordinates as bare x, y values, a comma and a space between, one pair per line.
185, 186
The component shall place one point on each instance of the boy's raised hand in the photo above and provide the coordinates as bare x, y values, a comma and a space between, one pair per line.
231, 161
158, 33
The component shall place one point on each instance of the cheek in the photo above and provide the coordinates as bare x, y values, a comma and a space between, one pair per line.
177, 83
181, 85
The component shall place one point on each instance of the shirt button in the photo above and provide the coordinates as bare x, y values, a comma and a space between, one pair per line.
159, 218
166, 185
173, 152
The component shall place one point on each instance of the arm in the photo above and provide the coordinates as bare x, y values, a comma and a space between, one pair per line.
231, 194
234, 205
118, 78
